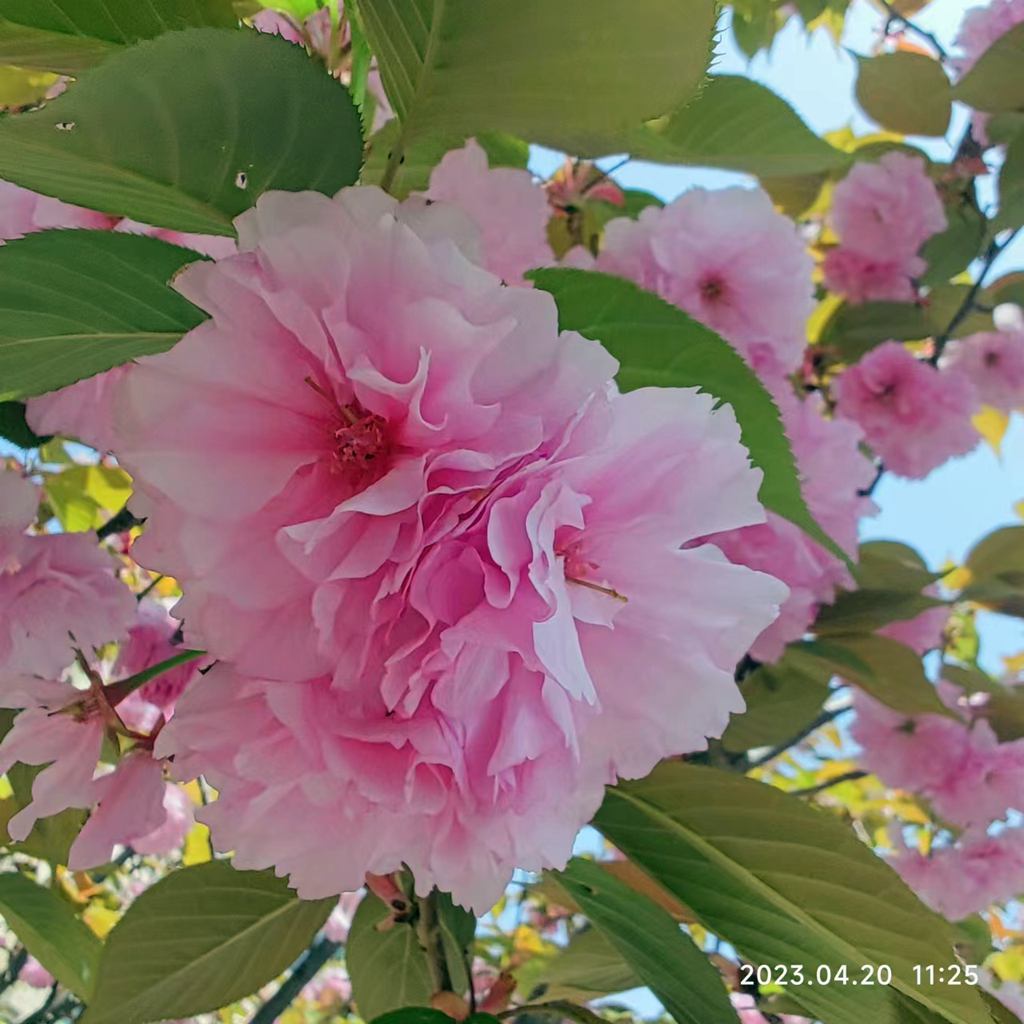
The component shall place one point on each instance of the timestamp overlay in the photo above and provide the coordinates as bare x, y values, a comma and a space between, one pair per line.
797, 975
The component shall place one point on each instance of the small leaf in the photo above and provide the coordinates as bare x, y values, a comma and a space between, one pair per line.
200, 938
224, 116
949, 252
458, 928
665, 959
71, 35
1011, 186
853, 330
50, 932
413, 1015
865, 610
994, 83
659, 345
75, 303
905, 92
590, 967
564, 75
787, 884
740, 125
388, 968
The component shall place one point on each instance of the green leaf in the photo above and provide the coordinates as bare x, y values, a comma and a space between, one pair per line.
996, 565
865, 610
892, 565
889, 671
200, 938
786, 884
740, 125
388, 968
1011, 186
85, 497
944, 302
49, 930
905, 92
664, 959
780, 699
949, 252
71, 35
995, 83
590, 967
853, 330
458, 929
565, 75
186, 131
419, 159
659, 345
413, 1015
75, 303
15, 428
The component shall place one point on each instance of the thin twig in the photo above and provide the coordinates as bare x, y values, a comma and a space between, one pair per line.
823, 719
851, 776
304, 971
929, 37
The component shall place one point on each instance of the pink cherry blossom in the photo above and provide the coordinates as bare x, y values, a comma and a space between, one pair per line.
981, 27
81, 410
330, 988
179, 817
833, 470
340, 920
862, 278
994, 364
914, 416
507, 205
924, 632
33, 973
887, 209
214, 246
57, 591
728, 258
23, 212
966, 878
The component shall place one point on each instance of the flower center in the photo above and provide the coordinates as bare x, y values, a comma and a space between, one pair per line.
712, 288
577, 568
360, 442
991, 360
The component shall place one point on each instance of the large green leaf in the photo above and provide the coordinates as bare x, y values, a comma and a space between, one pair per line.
664, 959
1011, 186
71, 35
188, 130
738, 124
995, 83
49, 930
589, 967
578, 77
51, 838
74, 303
198, 939
659, 345
388, 968
891, 672
786, 883
781, 700
905, 92
996, 565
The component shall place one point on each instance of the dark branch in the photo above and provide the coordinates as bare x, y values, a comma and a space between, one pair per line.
852, 776
304, 971
124, 520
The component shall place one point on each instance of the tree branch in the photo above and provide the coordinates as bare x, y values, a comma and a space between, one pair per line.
304, 971
124, 520
896, 18
823, 719
852, 776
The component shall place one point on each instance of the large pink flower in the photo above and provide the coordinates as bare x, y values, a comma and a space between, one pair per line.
914, 416
393, 493
863, 278
22, 212
81, 410
507, 205
729, 259
57, 591
994, 364
833, 470
480, 716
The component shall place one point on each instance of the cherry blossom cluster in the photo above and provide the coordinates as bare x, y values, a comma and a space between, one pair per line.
971, 781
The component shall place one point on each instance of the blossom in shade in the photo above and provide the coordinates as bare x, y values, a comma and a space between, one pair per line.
179, 817
214, 246
728, 258
914, 416
981, 27
33, 973
23, 212
833, 471
994, 363
57, 591
883, 213
965, 878
509, 208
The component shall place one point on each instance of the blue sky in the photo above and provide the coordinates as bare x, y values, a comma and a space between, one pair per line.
960, 502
